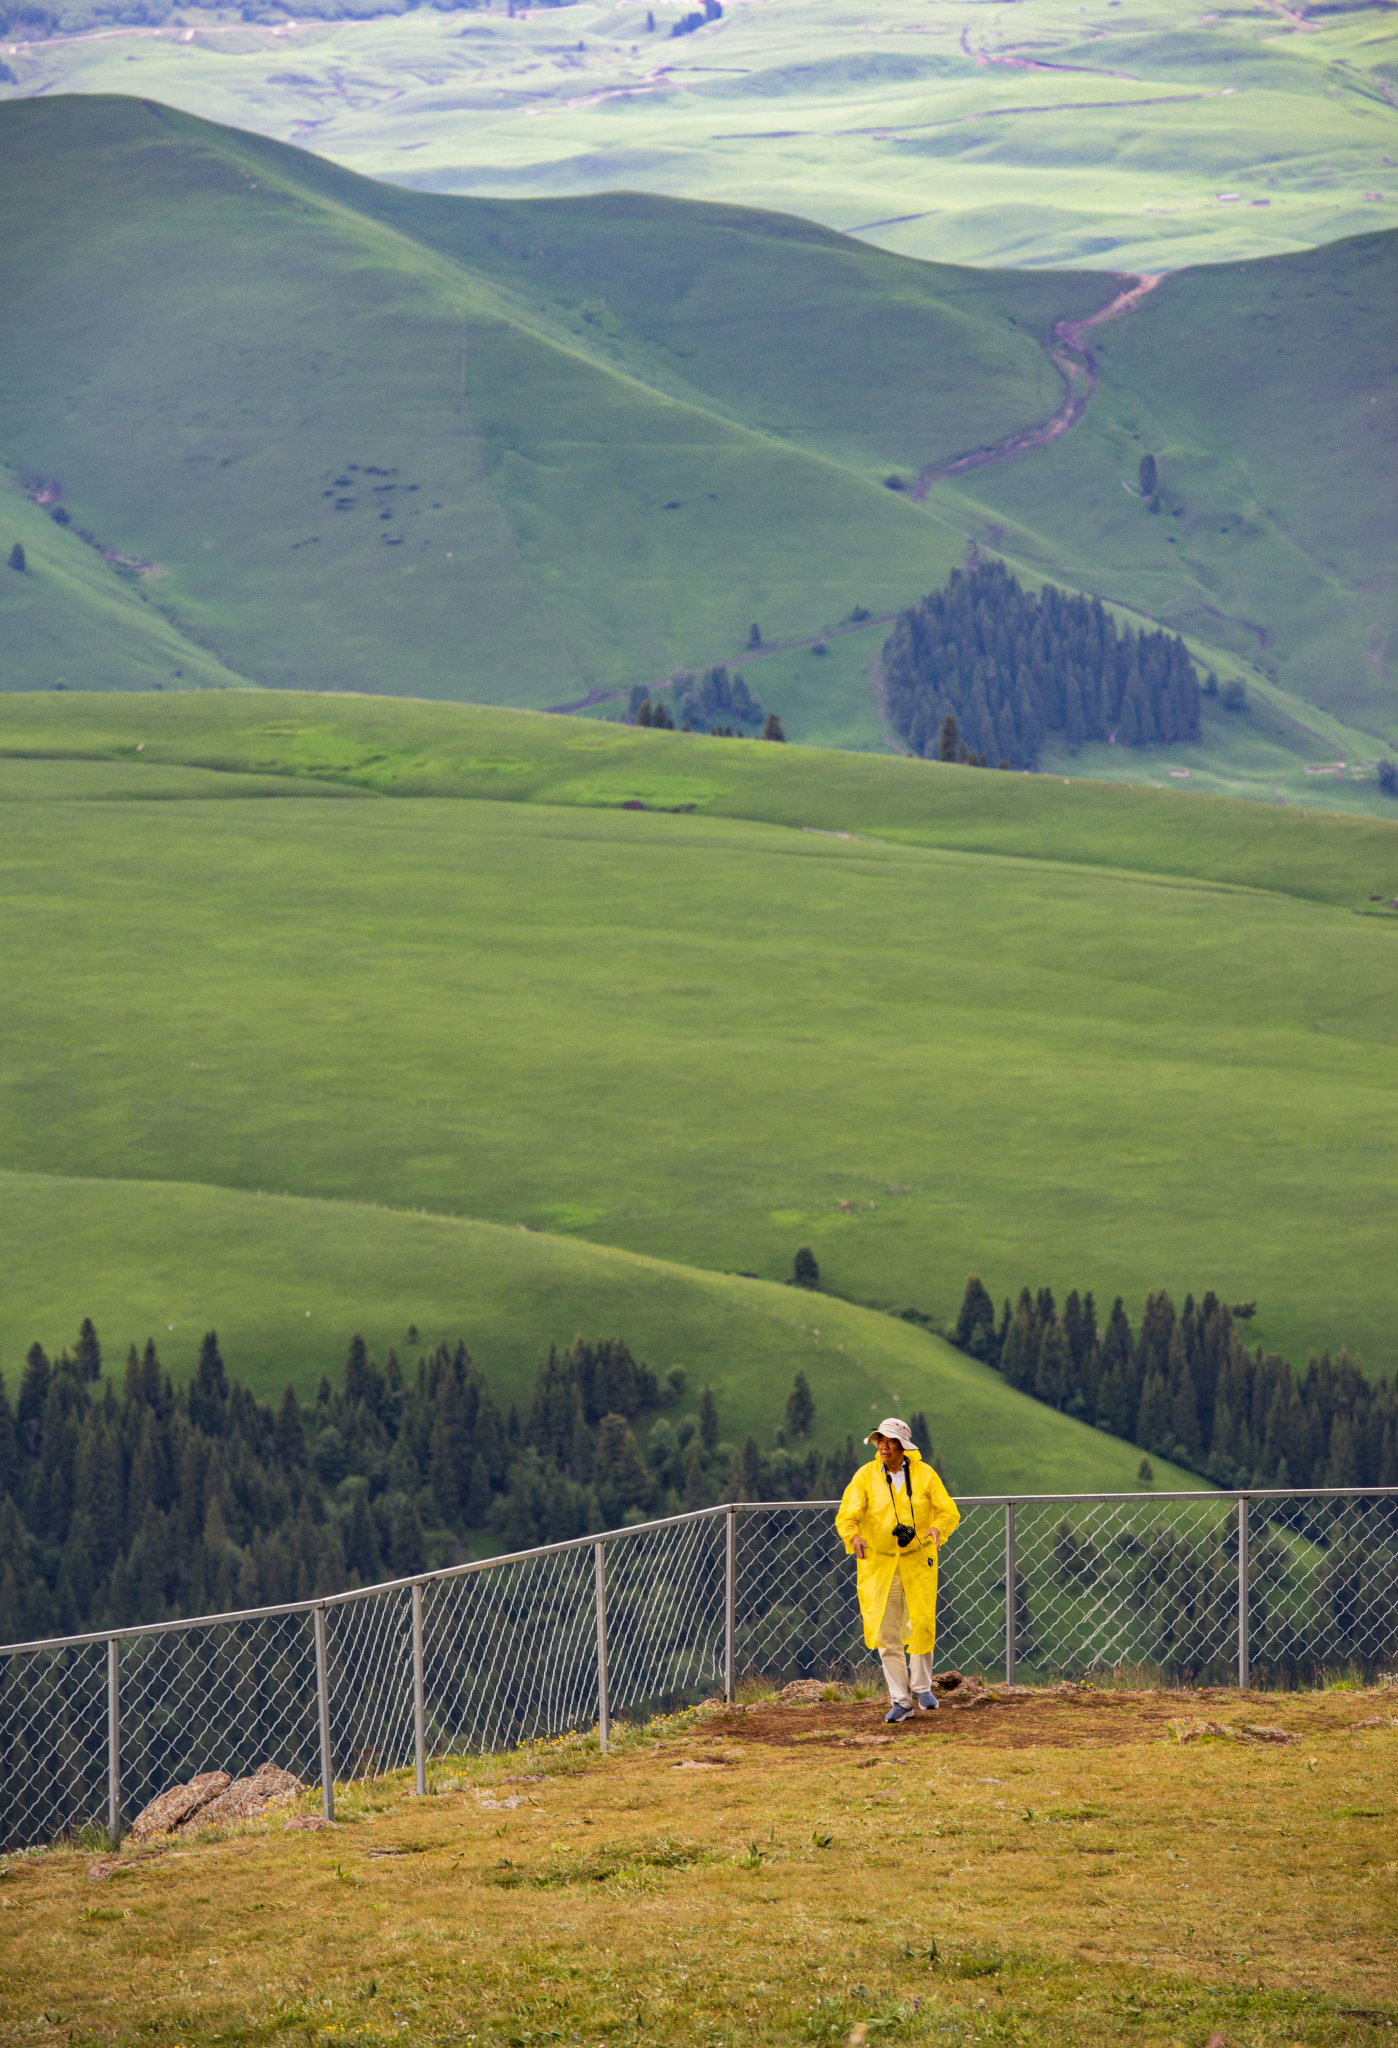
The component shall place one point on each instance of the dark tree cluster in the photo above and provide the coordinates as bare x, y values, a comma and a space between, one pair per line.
716, 702
1011, 669
160, 1501
1187, 1387
687, 23
716, 698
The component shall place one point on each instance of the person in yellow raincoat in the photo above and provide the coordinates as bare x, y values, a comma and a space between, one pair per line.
898, 1581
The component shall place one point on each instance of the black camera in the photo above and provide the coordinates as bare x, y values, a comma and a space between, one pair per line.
904, 1534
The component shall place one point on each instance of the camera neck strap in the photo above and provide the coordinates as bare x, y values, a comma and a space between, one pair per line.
906, 1469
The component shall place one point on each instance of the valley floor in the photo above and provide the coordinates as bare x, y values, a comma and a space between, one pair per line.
1057, 1870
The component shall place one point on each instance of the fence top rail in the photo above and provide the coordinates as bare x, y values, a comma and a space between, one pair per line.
624, 1534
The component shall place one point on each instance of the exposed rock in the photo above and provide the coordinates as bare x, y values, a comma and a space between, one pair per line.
176, 1804
269, 1790
1198, 1731
801, 1690
308, 1824
1185, 1730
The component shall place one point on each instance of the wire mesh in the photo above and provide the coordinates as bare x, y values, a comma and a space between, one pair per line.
226, 1697
53, 1742
369, 1648
665, 1618
510, 1648
510, 1653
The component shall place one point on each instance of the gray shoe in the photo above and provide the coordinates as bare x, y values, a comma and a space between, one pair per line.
928, 1701
899, 1712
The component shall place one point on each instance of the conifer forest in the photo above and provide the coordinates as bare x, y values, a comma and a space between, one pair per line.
161, 1501
1015, 670
1186, 1386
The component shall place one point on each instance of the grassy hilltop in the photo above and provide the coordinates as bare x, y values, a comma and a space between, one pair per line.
335, 434
288, 972
1137, 136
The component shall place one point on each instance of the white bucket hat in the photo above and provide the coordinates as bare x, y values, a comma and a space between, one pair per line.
891, 1426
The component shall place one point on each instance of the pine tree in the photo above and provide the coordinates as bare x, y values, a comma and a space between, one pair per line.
17, 560
800, 1406
9, 1446
772, 730
87, 1353
708, 1420
291, 1433
1147, 476
805, 1271
208, 1392
696, 1489
975, 1325
745, 1476
1019, 1360
947, 739
362, 1543
1052, 1376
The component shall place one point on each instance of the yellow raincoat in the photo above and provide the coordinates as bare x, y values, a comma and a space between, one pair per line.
866, 1510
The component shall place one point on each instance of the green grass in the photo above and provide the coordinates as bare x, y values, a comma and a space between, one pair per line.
898, 123
610, 433
1266, 527
1069, 1034
285, 1280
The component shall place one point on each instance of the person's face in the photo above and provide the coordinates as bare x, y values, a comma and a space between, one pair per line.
891, 1451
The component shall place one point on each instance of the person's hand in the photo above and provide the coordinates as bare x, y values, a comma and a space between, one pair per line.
861, 1548
936, 1536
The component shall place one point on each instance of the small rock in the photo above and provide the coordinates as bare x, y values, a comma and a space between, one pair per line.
269, 1790
1198, 1731
1256, 1731
178, 1803
308, 1824
801, 1690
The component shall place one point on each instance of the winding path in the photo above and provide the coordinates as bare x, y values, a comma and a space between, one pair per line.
1064, 347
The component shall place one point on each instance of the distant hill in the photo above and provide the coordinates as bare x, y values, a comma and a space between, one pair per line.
349, 436
332, 1013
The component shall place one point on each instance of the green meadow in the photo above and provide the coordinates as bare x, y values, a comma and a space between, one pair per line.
330, 434
1123, 137
327, 1013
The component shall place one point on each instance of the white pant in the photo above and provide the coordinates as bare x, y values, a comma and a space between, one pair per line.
893, 1633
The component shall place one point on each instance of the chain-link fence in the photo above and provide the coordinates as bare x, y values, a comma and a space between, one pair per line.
1213, 1587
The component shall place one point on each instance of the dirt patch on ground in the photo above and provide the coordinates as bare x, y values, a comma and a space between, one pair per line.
1022, 1717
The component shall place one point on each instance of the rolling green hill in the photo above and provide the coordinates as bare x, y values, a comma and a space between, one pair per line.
445, 1036
366, 438
1140, 136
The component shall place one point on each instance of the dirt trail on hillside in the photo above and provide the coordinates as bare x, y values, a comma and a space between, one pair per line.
1065, 347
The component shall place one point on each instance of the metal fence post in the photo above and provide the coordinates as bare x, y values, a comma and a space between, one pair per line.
327, 1768
1243, 1576
730, 1604
419, 1709
604, 1701
1011, 1592
113, 1738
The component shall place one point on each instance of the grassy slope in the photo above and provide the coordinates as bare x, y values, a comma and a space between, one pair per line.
1082, 1836
294, 323
472, 751
617, 430
1265, 392
896, 121
285, 1280
70, 621
690, 1037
